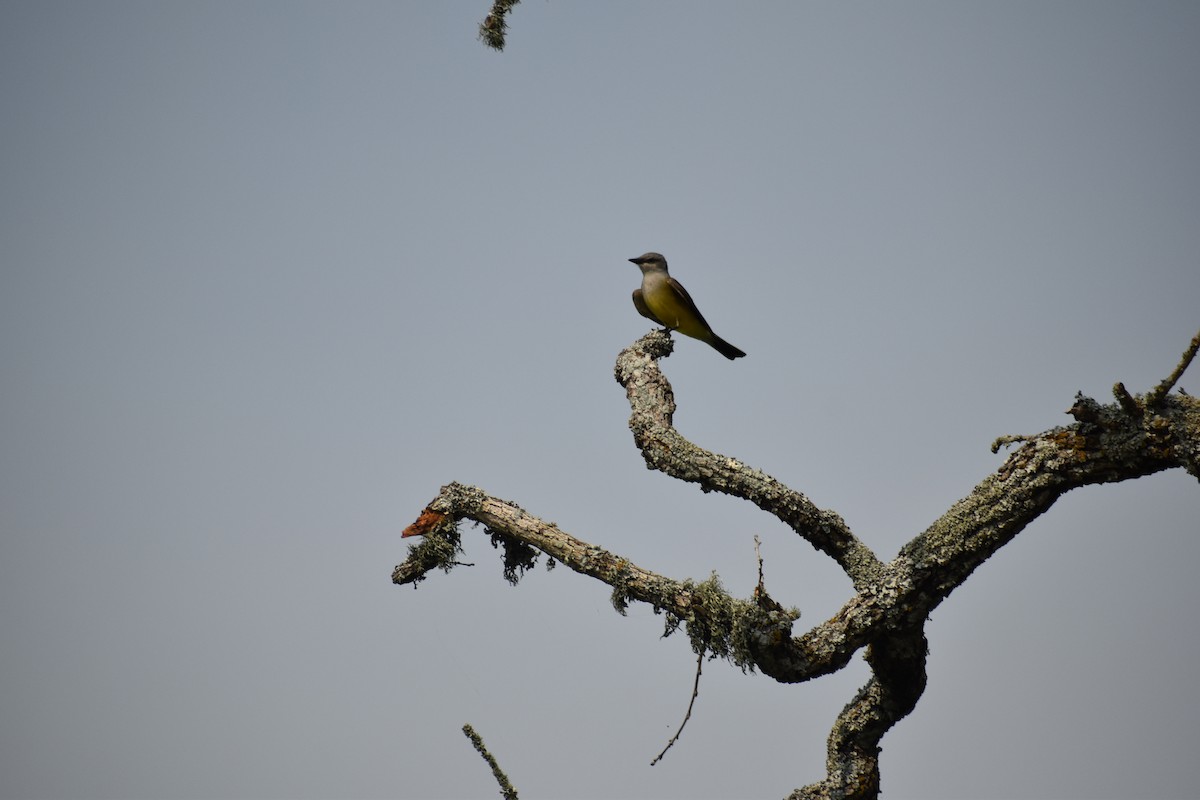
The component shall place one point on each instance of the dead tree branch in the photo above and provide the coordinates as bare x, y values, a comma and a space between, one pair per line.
1134, 437
1156, 395
653, 406
493, 31
507, 790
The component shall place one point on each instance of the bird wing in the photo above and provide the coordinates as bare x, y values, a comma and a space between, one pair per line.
687, 301
643, 309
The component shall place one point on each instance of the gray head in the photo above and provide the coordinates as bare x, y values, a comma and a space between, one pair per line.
650, 261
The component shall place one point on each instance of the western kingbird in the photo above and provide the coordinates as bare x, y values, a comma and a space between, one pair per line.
664, 300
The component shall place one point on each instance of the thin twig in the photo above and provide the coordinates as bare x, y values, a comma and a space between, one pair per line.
758, 555
1005, 441
506, 788
688, 715
1159, 392
764, 600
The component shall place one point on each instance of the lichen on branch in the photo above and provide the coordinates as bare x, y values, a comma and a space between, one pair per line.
1134, 436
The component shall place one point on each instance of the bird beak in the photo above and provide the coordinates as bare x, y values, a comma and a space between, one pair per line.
635, 261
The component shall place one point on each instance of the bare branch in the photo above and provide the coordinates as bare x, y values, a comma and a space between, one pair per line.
1116, 447
902, 593
852, 755
653, 406
1154, 398
716, 622
886, 615
494, 28
506, 787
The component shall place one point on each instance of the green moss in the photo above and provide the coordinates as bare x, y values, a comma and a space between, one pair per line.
620, 596
723, 626
438, 549
519, 557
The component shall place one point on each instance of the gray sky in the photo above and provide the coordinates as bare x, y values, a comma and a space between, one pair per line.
274, 272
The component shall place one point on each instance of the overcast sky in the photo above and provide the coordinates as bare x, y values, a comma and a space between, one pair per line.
273, 272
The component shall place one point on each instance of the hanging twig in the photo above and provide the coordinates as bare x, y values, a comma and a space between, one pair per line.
688, 715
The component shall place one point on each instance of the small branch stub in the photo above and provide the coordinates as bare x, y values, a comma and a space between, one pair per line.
425, 523
1128, 404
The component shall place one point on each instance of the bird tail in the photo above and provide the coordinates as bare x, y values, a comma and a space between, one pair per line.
725, 348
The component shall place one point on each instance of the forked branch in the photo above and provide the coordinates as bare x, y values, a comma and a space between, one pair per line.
1133, 437
653, 405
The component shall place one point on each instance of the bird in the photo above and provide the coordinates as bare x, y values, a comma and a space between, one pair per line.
664, 300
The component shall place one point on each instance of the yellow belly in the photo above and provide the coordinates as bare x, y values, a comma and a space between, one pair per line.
674, 312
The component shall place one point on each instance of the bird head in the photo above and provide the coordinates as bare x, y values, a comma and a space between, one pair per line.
650, 261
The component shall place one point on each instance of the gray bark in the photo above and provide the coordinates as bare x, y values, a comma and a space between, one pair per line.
1134, 436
